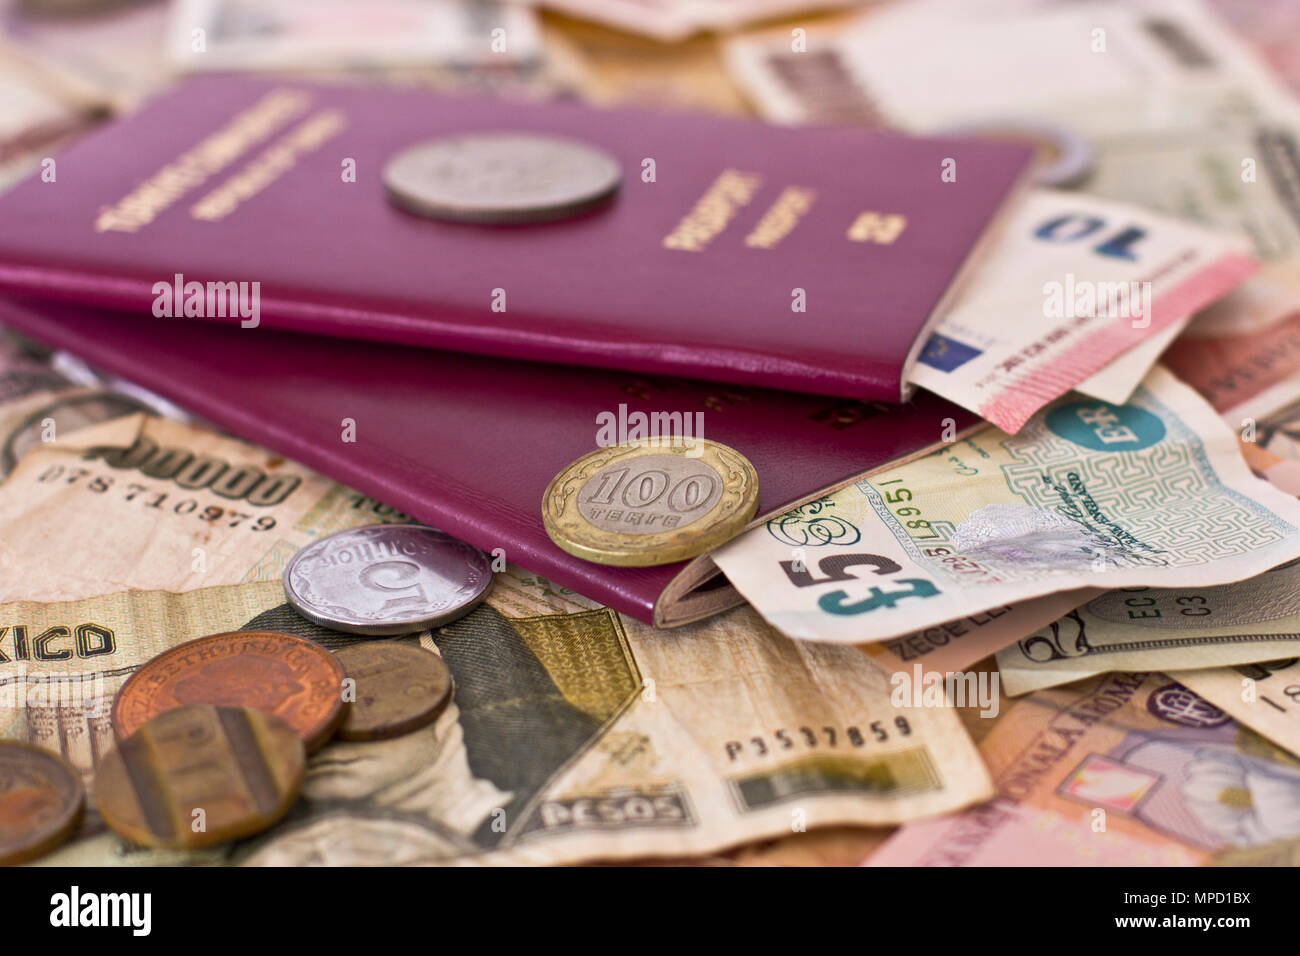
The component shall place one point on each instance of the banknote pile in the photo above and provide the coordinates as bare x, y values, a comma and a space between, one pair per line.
1069, 636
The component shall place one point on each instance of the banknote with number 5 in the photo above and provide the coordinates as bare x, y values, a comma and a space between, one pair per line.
1087, 494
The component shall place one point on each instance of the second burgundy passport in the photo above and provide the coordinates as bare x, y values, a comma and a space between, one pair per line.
469, 444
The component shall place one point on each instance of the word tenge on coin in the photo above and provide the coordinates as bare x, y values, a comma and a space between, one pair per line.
652, 502
41, 801
501, 178
292, 678
197, 776
387, 579
399, 688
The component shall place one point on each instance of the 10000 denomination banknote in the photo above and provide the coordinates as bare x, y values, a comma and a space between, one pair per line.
144, 503
1087, 495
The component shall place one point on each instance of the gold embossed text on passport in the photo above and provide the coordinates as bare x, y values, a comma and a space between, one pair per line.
193, 167
714, 210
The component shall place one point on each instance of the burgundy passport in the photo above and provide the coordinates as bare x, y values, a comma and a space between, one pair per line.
720, 232
469, 444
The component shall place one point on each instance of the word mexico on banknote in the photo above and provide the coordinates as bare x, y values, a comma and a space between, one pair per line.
1087, 495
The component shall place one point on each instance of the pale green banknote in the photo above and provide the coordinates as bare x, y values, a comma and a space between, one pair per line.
1152, 493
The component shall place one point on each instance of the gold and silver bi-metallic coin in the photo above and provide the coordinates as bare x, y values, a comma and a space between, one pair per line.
652, 502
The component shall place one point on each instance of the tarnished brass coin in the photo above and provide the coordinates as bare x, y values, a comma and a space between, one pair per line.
41, 801
652, 502
294, 679
200, 775
399, 688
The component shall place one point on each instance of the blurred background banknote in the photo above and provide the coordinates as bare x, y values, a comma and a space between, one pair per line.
1121, 770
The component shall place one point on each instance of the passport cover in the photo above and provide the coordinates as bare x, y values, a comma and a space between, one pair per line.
720, 229
468, 444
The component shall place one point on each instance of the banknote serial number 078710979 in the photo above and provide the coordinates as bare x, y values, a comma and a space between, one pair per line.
808, 738
147, 496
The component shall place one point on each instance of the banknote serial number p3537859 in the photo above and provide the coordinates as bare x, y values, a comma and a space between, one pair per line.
816, 738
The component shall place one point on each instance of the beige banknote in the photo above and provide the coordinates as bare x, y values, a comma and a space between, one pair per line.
1102, 68
675, 20
1152, 493
38, 404
614, 68
1169, 629
1263, 696
574, 733
1120, 770
320, 34
144, 503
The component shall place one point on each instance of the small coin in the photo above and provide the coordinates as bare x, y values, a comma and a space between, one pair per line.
501, 178
399, 688
41, 801
294, 679
387, 579
200, 775
649, 503
1061, 156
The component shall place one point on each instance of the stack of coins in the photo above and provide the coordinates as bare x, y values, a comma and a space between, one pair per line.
214, 734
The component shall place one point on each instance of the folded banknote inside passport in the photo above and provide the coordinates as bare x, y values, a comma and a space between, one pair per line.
813, 260
469, 444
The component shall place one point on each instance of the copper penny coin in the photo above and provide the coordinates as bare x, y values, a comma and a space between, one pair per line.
41, 801
399, 688
292, 678
200, 775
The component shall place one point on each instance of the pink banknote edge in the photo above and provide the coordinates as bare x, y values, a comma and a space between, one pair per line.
1014, 404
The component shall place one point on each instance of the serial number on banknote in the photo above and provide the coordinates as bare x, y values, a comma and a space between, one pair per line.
152, 497
918, 529
807, 738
